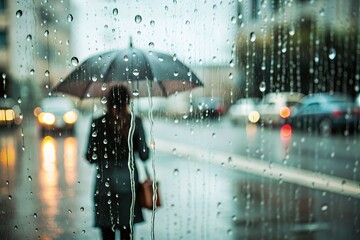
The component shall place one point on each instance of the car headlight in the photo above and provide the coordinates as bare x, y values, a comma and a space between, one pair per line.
46, 118
70, 117
254, 116
285, 112
7, 115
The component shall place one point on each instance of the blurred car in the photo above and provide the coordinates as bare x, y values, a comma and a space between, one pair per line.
56, 114
244, 111
325, 113
276, 107
208, 107
10, 113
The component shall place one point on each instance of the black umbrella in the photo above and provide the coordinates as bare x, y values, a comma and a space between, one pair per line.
132, 68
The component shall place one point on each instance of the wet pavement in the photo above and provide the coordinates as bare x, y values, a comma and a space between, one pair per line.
46, 193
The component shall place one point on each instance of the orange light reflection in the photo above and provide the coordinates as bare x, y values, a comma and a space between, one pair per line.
70, 154
49, 186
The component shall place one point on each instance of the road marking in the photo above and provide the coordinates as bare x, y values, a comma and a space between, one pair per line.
306, 178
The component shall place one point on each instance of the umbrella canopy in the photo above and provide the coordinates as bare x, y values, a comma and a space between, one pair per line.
139, 71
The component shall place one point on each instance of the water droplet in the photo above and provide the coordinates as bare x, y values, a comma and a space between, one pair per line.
30, 178
136, 72
69, 211
10, 197
15, 227
19, 13
176, 74
176, 172
82, 209
29, 37
46, 33
32, 71
107, 184
74, 61
262, 86
252, 37
229, 232
94, 78
151, 44
70, 18
115, 11
136, 92
47, 73
152, 23
138, 19
324, 207
35, 215
332, 53
103, 87
103, 100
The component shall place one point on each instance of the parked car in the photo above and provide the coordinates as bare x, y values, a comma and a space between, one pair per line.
10, 113
325, 113
276, 107
56, 114
244, 111
208, 107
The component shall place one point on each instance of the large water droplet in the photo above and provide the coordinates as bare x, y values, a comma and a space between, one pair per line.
115, 11
94, 78
46, 33
19, 13
138, 19
332, 53
70, 18
74, 61
262, 86
252, 37
136, 92
136, 72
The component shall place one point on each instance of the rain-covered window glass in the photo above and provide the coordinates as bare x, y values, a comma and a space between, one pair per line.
232, 119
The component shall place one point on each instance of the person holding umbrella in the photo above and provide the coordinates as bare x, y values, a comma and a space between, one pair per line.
113, 141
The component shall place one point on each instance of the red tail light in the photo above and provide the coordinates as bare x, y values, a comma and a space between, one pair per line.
337, 113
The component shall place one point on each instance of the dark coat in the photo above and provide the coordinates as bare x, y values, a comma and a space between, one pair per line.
110, 152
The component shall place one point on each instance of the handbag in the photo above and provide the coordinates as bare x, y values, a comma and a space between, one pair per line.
146, 192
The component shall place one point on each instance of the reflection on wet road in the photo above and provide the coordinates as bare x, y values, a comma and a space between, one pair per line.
46, 184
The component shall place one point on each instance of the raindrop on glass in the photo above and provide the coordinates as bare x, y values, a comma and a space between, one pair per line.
103, 87
46, 33
324, 207
136, 92
30, 178
35, 215
47, 73
176, 74
19, 13
151, 44
262, 86
136, 72
82, 209
70, 18
74, 61
152, 23
332, 53
176, 172
107, 184
10, 197
103, 100
138, 19
126, 58
115, 11
29, 37
94, 78
252, 37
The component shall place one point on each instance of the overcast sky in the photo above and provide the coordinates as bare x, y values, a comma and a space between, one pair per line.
196, 31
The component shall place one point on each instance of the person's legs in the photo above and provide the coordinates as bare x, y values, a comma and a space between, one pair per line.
107, 234
125, 233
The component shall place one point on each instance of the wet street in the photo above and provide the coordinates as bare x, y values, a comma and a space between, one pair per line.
217, 181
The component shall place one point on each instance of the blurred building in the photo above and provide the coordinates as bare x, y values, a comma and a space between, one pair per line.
298, 45
35, 49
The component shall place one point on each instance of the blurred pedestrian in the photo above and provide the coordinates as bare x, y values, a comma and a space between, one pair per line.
108, 148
